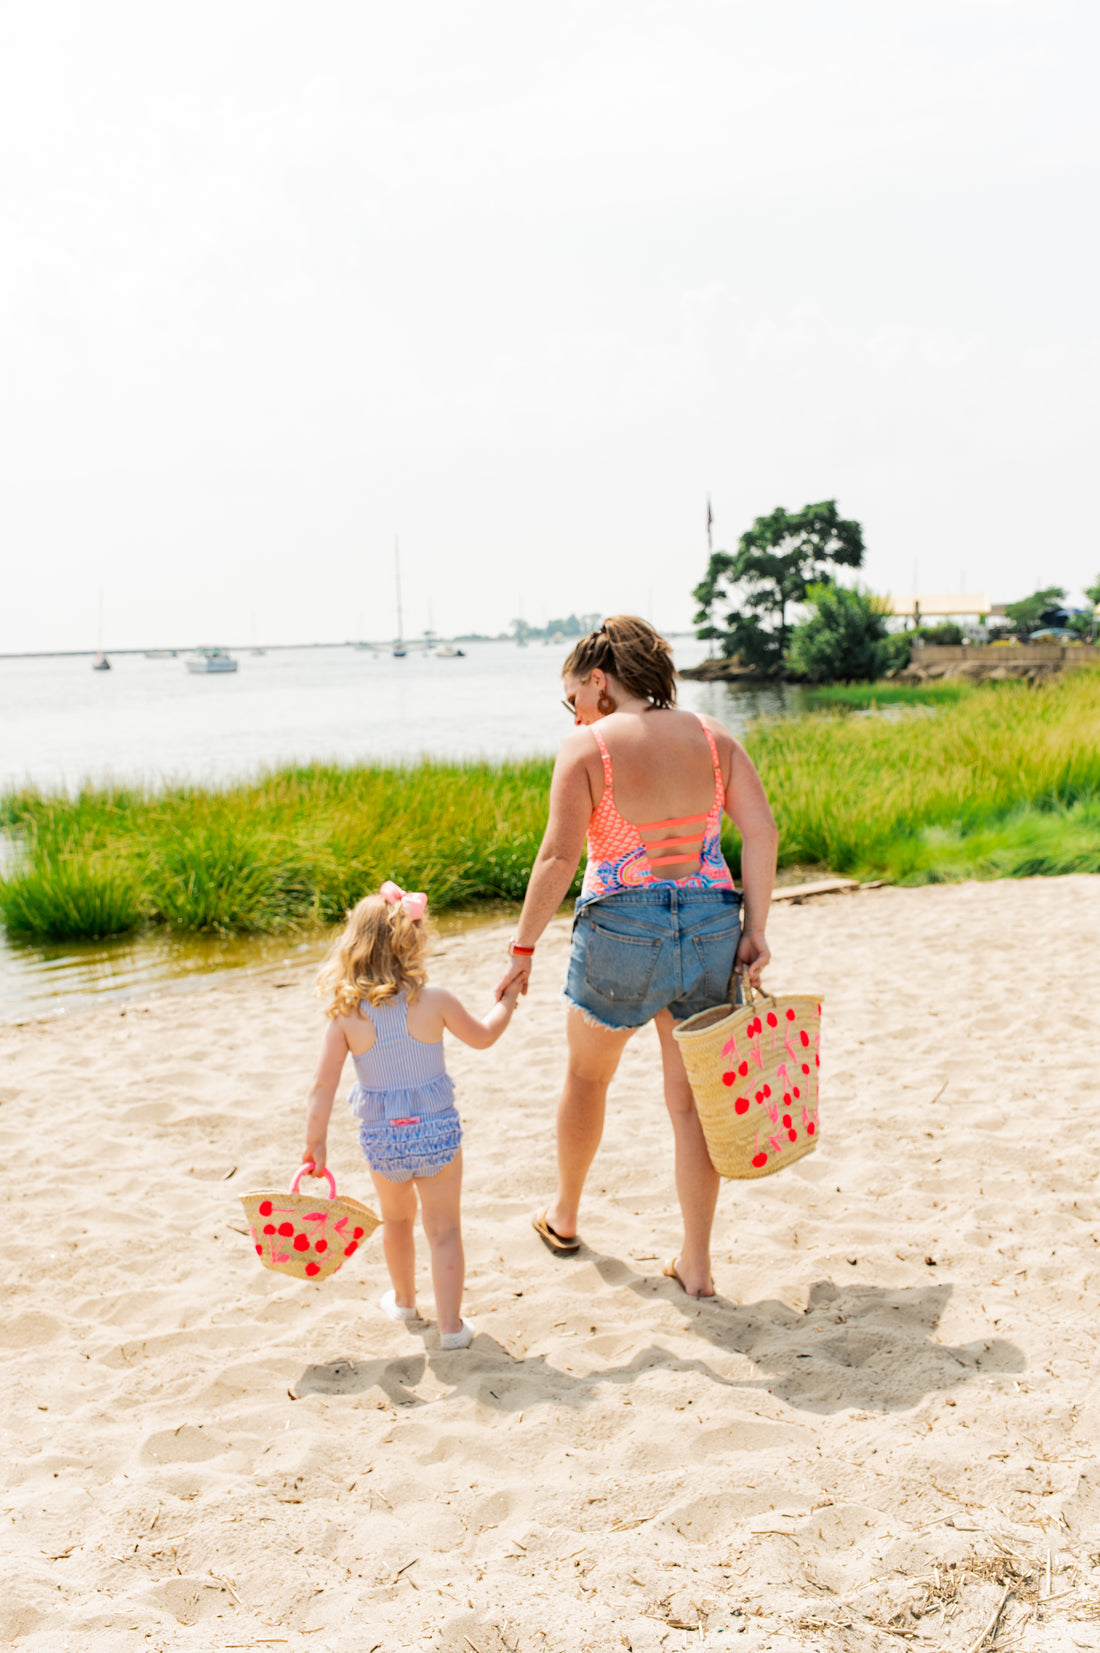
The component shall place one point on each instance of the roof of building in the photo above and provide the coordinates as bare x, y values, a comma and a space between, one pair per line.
942, 603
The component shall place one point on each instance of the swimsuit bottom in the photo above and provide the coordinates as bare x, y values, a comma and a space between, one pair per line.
408, 1133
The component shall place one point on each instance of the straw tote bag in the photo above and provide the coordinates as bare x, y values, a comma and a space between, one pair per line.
307, 1235
754, 1076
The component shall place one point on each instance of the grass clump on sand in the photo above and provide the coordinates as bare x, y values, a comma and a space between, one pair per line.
288, 851
1005, 782
1002, 781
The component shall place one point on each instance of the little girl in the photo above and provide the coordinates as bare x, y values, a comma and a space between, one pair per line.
383, 1012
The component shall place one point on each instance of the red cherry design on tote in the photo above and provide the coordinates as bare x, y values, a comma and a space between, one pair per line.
790, 1015
301, 1243
321, 1245
805, 1037
741, 1105
743, 1069
353, 1245
313, 1268
286, 1230
728, 1078
793, 1134
265, 1208
773, 1020
758, 1160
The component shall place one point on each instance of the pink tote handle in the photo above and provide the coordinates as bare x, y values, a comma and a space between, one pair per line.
303, 1168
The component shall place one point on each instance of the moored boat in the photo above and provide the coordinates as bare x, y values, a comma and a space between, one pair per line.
210, 660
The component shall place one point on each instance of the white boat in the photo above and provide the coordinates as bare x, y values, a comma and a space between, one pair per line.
446, 652
210, 660
101, 663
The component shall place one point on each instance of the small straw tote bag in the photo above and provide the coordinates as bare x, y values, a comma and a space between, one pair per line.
307, 1235
754, 1076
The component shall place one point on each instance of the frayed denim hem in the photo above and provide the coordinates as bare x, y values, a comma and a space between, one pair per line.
594, 1021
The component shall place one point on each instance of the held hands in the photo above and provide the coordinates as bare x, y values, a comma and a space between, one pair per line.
314, 1155
517, 976
509, 994
752, 957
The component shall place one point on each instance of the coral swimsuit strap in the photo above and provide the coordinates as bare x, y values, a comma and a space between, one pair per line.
608, 811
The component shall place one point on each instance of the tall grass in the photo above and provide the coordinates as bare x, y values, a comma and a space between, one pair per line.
838, 697
1001, 781
916, 799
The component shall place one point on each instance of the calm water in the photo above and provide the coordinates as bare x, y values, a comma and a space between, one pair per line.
151, 721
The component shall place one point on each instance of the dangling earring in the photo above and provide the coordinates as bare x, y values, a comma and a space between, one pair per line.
605, 705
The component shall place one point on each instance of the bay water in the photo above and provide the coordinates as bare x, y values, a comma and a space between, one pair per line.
150, 722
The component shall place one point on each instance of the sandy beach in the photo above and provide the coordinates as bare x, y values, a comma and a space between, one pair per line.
882, 1433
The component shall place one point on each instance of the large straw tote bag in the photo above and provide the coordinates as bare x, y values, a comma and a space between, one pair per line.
754, 1074
307, 1235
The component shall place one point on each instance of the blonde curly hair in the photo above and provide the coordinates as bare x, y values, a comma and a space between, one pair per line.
380, 953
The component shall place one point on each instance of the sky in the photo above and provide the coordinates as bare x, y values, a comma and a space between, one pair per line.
524, 285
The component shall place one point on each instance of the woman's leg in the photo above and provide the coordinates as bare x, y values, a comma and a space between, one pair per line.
440, 1200
696, 1179
594, 1054
398, 1202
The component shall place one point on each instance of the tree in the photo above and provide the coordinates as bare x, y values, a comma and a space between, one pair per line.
1092, 592
774, 566
1030, 612
844, 637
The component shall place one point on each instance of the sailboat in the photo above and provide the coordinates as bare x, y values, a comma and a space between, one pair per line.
399, 649
100, 663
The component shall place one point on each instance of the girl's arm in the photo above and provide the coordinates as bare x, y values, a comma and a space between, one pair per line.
571, 805
479, 1034
748, 808
322, 1094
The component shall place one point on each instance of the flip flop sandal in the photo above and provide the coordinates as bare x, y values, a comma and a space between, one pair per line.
671, 1272
563, 1245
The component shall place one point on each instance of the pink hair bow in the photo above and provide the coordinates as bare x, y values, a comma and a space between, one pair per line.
415, 904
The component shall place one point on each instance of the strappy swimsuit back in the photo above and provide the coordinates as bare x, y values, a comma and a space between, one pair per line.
618, 857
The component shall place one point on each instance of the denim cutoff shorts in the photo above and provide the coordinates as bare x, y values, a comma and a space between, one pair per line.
652, 949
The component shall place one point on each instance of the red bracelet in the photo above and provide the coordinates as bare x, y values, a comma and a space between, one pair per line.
524, 952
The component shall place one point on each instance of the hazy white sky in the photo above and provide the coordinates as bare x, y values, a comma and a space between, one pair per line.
525, 283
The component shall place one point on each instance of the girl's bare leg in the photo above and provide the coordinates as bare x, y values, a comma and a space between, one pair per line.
440, 1202
594, 1054
398, 1202
696, 1179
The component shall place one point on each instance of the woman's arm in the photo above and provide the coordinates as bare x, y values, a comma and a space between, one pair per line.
748, 808
571, 806
322, 1094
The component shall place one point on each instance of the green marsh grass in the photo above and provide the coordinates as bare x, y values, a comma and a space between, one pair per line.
838, 697
999, 782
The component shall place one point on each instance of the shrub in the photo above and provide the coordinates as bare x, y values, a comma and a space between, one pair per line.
844, 639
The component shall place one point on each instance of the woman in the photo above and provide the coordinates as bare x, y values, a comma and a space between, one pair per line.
659, 925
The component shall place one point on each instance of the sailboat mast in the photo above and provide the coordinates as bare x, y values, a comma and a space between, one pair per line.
397, 581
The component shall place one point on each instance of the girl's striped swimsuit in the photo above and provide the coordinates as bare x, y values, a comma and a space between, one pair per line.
403, 1099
